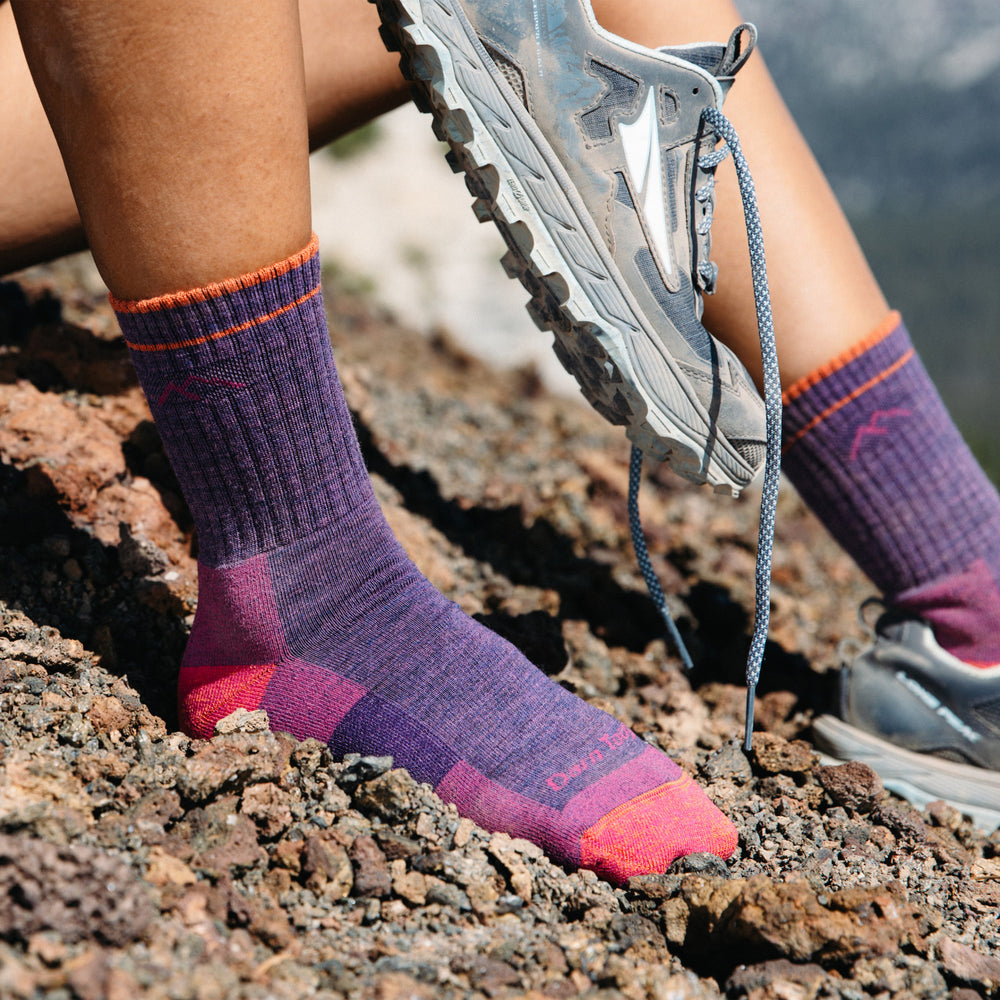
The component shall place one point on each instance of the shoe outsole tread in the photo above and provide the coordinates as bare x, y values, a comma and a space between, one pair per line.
598, 337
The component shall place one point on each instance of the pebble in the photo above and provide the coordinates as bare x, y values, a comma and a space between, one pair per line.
243, 721
853, 785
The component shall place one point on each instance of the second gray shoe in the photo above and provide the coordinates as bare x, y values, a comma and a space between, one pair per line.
591, 155
926, 722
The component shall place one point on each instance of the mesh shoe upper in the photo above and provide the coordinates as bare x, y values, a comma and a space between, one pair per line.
910, 692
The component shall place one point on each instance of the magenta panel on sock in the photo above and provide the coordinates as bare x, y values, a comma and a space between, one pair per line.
497, 808
649, 770
237, 620
309, 700
956, 607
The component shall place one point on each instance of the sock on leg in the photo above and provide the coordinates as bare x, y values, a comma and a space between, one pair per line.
309, 608
871, 448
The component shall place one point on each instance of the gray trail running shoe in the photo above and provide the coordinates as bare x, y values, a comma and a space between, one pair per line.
928, 723
590, 154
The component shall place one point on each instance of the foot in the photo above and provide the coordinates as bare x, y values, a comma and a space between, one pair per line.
927, 722
585, 150
350, 644
309, 608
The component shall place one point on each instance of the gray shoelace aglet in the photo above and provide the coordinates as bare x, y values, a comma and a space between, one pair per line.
748, 734
642, 557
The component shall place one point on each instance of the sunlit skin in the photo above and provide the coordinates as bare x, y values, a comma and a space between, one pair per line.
315, 84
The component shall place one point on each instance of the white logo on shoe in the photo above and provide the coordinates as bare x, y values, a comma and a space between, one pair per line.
937, 708
641, 141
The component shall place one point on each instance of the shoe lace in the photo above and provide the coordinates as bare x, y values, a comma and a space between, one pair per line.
724, 131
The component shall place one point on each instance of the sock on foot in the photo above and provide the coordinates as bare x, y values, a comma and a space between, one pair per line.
309, 608
871, 448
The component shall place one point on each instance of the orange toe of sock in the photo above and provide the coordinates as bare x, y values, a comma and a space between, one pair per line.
647, 834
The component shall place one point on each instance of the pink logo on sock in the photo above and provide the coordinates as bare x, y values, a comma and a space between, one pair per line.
560, 779
184, 388
875, 428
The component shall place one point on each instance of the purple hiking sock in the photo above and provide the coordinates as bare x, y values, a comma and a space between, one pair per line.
871, 448
310, 609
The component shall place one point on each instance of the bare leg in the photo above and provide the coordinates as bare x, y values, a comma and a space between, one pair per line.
825, 297
350, 79
38, 217
179, 177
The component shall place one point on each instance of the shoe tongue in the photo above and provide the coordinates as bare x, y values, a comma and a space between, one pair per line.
707, 56
722, 61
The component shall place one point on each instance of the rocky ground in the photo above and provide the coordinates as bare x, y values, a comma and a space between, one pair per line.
137, 862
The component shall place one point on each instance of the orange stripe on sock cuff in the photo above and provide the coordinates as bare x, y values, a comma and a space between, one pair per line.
217, 289
841, 360
173, 345
849, 398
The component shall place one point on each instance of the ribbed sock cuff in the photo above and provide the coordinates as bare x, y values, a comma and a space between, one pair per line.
241, 382
871, 448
